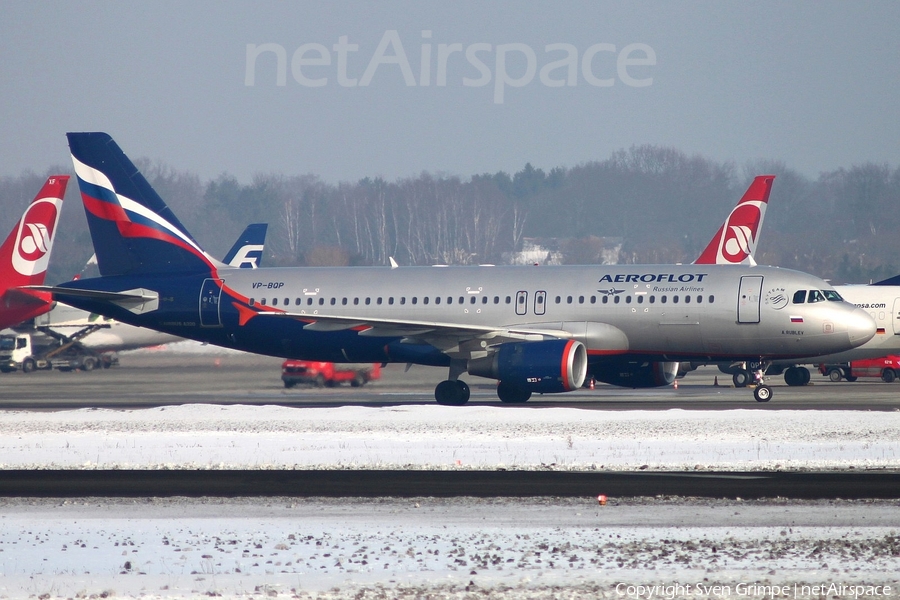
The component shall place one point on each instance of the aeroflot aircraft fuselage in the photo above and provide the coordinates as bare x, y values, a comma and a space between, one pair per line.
634, 321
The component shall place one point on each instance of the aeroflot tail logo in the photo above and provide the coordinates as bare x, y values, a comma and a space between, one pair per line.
34, 239
739, 237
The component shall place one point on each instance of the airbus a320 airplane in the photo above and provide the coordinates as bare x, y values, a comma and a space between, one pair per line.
535, 329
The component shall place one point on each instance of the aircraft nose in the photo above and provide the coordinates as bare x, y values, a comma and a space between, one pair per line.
860, 327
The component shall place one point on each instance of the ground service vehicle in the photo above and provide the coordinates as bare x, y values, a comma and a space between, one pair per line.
48, 351
886, 367
327, 373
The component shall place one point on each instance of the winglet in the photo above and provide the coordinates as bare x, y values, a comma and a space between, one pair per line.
735, 242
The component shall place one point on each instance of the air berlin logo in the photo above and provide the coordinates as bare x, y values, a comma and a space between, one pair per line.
34, 238
739, 236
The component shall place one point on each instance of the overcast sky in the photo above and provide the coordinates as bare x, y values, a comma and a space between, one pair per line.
812, 83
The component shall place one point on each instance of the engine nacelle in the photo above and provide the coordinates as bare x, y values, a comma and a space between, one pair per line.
636, 374
545, 367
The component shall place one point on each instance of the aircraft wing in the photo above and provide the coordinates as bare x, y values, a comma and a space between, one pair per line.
451, 338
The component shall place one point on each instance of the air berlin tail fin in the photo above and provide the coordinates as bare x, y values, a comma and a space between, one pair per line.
735, 242
26, 252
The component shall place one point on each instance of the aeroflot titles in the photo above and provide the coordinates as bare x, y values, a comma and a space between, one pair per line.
654, 277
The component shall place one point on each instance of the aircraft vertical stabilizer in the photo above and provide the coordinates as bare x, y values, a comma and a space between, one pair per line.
134, 232
25, 254
735, 242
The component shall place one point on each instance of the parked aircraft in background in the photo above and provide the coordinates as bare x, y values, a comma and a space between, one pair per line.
736, 242
535, 329
26, 252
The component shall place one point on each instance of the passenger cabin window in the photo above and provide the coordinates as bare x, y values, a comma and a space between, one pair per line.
617, 299
263, 301
274, 301
815, 296
605, 299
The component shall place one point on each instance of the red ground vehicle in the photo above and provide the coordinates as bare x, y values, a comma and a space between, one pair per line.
327, 374
886, 367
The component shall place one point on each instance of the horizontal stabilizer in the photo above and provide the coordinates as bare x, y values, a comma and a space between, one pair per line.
138, 301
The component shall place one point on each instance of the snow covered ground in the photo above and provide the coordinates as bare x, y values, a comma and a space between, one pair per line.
457, 548
435, 437
447, 548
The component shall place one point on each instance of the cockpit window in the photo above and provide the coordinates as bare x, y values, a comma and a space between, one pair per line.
815, 296
832, 296
800, 297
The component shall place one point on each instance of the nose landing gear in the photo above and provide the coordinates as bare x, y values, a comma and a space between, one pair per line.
762, 392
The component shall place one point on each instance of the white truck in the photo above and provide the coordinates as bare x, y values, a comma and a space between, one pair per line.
28, 352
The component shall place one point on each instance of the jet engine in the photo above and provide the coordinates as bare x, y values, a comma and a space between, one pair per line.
636, 374
545, 367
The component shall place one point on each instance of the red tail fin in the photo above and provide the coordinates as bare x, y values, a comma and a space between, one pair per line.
735, 242
25, 254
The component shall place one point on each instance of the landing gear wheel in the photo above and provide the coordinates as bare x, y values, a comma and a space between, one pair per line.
740, 378
452, 393
796, 376
512, 395
888, 376
762, 393
835, 375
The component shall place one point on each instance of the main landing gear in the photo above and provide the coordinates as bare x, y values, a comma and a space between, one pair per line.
796, 376
453, 392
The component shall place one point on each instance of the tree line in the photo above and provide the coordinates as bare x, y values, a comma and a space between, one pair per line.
660, 204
